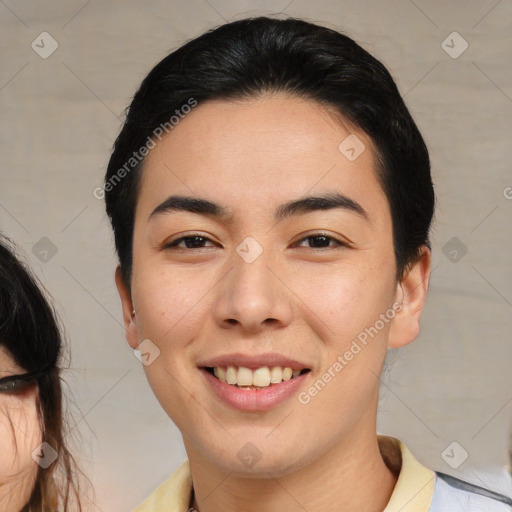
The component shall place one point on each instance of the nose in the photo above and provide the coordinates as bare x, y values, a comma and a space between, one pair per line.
252, 297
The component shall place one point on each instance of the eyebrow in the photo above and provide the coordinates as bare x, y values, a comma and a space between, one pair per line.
300, 206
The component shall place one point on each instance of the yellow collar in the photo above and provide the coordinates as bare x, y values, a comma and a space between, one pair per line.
413, 491
414, 488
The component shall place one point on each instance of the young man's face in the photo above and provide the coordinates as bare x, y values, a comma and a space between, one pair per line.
255, 291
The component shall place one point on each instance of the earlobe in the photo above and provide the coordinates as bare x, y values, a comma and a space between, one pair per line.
129, 319
411, 293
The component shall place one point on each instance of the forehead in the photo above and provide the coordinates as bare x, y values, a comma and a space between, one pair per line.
261, 151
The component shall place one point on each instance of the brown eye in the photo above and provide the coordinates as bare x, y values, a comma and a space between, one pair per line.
189, 242
320, 241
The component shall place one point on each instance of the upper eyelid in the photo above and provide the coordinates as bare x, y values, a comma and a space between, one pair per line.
336, 239
184, 237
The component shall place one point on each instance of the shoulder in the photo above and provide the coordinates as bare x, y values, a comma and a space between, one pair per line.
454, 495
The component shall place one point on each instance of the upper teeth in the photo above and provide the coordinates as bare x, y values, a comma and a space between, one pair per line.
261, 377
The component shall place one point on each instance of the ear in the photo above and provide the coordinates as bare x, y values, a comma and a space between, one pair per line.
129, 320
411, 292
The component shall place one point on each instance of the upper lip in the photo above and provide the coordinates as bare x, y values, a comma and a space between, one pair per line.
253, 361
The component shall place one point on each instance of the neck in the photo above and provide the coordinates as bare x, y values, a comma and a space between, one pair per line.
351, 475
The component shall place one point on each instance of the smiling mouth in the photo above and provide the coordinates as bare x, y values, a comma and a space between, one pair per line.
260, 378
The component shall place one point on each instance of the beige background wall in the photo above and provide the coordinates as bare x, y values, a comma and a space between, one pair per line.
59, 118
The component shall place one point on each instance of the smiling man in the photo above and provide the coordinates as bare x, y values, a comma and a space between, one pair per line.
273, 243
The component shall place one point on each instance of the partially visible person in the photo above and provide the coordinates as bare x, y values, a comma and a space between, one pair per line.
37, 472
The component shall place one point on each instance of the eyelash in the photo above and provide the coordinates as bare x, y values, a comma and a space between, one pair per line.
339, 243
15, 385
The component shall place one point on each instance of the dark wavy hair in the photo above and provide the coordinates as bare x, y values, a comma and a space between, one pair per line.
31, 333
255, 56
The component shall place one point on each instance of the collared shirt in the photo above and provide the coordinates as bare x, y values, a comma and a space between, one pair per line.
418, 489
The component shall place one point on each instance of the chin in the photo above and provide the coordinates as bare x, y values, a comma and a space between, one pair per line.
252, 460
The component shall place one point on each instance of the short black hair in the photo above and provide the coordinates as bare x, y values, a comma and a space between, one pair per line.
254, 56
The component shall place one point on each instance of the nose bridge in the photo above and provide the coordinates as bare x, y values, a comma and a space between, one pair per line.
251, 295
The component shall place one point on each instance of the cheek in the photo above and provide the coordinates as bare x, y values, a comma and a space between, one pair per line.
343, 300
162, 295
170, 314
171, 303
20, 435
347, 307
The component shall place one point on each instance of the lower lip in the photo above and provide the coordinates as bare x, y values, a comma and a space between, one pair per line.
254, 399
